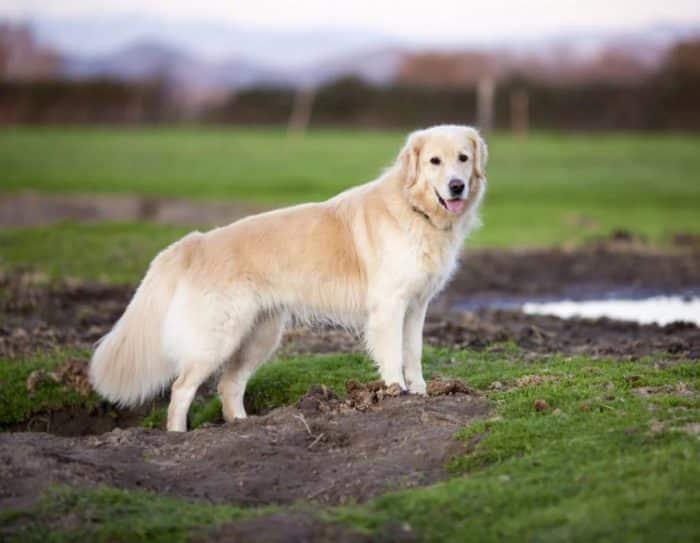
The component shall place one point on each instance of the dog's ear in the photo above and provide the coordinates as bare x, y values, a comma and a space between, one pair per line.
481, 154
409, 159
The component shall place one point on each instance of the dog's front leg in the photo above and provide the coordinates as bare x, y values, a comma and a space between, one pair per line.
384, 336
413, 346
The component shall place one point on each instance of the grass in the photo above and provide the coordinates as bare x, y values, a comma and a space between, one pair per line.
108, 252
18, 404
602, 463
278, 383
607, 465
110, 514
550, 188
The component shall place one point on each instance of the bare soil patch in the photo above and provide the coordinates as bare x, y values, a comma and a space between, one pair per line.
39, 315
81, 421
332, 454
36, 209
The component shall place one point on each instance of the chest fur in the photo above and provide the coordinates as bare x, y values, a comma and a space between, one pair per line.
422, 266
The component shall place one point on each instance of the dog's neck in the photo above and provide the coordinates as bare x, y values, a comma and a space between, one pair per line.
423, 214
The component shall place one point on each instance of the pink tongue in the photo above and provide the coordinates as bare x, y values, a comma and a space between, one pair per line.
455, 206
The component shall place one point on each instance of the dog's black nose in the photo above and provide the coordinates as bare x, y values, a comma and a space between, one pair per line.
456, 186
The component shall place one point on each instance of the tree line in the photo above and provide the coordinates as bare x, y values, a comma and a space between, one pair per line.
664, 100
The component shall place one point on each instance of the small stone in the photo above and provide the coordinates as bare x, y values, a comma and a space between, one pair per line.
20, 333
541, 405
656, 426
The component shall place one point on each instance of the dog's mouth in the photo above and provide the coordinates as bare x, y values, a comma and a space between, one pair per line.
454, 206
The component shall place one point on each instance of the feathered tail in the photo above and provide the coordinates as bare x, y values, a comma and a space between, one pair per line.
129, 365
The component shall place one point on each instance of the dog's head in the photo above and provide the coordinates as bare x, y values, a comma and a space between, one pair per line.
443, 171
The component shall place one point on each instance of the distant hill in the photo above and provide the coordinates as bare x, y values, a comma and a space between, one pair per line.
210, 40
147, 60
213, 57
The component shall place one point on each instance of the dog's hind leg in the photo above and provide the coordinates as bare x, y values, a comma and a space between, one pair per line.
183, 390
255, 349
202, 333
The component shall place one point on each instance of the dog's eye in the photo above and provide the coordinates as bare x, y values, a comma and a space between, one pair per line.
435, 160
463, 157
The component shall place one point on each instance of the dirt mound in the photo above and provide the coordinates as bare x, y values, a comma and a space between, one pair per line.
364, 396
293, 453
73, 373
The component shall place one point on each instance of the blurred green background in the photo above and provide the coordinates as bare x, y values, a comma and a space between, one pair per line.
546, 189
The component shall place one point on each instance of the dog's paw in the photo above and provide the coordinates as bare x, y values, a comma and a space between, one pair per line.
233, 417
417, 387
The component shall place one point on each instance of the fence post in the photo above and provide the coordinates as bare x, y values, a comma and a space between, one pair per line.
301, 112
484, 103
519, 112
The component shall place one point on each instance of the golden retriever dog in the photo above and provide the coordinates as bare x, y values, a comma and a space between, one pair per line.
370, 258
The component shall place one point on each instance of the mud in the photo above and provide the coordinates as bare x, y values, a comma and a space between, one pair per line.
35, 209
37, 314
81, 421
335, 455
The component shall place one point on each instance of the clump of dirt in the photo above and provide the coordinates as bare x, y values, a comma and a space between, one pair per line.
442, 387
73, 373
540, 405
292, 453
366, 396
89, 418
320, 399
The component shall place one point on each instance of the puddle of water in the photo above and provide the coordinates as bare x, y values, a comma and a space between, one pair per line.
660, 310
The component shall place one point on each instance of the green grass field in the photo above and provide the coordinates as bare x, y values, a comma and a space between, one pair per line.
548, 189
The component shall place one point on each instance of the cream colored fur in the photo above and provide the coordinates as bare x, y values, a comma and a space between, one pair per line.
370, 258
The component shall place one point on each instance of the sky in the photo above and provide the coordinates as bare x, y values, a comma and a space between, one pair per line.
429, 21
